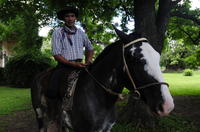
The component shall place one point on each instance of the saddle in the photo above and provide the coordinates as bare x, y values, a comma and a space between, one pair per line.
65, 91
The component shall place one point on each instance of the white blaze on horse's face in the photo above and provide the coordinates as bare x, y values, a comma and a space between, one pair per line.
152, 67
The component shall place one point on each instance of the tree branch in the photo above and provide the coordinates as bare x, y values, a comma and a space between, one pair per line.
174, 3
188, 34
98, 42
193, 40
163, 15
185, 16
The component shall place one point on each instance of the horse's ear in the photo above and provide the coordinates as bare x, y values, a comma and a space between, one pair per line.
121, 34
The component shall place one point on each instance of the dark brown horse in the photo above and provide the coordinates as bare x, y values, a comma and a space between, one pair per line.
130, 62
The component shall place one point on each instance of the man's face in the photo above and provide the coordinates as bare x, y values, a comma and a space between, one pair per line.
70, 19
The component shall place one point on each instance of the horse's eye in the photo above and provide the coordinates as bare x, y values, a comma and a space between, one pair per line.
143, 61
138, 56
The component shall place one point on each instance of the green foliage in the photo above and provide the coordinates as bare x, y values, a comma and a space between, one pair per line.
193, 60
185, 30
188, 72
178, 56
25, 67
34, 9
172, 57
97, 50
184, 25
46, 46
22, 25
10, 29
16, 29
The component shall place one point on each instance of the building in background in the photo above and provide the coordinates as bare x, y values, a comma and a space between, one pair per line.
6, 51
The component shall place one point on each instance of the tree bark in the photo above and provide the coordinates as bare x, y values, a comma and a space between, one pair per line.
145, 18
185, 16
152, 23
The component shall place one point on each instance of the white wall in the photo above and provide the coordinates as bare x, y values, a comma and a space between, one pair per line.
6, 51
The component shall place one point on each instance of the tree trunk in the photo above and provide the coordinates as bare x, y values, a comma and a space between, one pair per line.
145, 18
152, 24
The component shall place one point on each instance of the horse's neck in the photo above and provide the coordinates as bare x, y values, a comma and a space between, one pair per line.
107, 72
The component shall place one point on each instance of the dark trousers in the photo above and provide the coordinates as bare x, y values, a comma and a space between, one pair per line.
58, 81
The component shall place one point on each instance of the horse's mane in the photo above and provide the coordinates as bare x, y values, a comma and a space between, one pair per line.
108, 49
105, 51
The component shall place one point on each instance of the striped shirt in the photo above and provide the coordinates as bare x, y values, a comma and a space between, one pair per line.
61, 45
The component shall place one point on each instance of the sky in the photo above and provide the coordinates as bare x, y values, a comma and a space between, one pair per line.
195, 4
44, 30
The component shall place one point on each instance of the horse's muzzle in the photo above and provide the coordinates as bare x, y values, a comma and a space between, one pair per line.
167, 107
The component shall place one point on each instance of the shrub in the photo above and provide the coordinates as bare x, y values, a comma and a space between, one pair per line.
20, 70
2, 76
188, 72
191, 61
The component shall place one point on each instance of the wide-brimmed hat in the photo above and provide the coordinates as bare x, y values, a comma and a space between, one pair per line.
62, 12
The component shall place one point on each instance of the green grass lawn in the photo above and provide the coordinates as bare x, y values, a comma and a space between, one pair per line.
170, 123
183, 85
14, 99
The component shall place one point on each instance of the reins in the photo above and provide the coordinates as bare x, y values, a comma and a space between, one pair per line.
103, 86
129, 75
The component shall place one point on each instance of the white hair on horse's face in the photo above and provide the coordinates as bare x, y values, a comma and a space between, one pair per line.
152, 67
152, 58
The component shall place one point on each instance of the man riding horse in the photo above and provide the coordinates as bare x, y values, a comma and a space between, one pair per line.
68, 42
130, 62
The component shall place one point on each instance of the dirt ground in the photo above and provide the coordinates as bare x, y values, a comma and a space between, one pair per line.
24, 121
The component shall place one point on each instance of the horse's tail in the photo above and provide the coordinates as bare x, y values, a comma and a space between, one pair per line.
36, 89
36, 97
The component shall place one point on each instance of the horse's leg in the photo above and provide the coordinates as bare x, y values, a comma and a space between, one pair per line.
110, 121
40, 120
109, 127
65, 129
66, 122
54, 115
53, 127
47, 115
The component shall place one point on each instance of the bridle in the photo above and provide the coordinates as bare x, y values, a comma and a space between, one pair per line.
128, 72
126, 69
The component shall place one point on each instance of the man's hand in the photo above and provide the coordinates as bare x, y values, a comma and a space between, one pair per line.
78, 65
62, 60
88, 63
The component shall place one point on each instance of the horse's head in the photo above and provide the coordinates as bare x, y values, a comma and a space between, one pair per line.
143, 73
